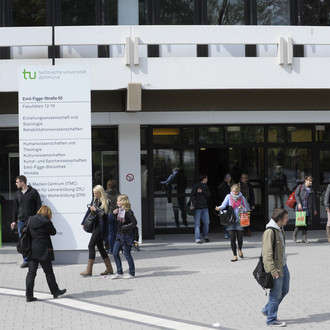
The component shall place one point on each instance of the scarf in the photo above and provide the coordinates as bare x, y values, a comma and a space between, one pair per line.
236, 200
121, 215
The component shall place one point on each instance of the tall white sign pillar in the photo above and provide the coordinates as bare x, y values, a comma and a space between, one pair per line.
130, 167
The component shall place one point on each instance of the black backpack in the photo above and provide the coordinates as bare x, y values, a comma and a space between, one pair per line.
24, 242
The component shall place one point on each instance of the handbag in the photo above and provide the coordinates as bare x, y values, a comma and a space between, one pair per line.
291, 202
188, 210
89, 222
23, 245
227, 216
262, 277
244, 219
301, 218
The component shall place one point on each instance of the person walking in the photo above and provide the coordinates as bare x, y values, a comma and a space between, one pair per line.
237, 201
176, 186
126, 224
100, 205
275, 263
112, 193
199, 196
327, 208
27, 202
305, 202
41, 228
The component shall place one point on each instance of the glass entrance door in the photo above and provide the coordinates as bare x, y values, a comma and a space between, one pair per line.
287, 168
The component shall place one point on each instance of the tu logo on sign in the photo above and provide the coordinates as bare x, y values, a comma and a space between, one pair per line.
29, 75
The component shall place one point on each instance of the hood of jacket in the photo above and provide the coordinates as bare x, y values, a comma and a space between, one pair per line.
38, 221
273, 224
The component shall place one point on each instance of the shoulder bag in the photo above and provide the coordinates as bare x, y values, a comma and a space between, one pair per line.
227, 216
262, 277
188, 210
24, 242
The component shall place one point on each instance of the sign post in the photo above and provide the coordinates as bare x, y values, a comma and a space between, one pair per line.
55, 144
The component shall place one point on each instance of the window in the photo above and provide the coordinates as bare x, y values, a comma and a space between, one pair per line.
273, 12
224, 12
176, 12
316, 12
27, 13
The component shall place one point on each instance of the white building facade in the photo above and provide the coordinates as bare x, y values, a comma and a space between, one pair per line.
226, 87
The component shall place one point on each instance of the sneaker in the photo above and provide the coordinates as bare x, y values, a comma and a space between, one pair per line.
128, 276
206, 240
24, 265
226, 236
277, 324
117, 276
199, 242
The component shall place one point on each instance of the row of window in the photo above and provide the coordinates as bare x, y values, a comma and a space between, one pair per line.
164, 12
242, 134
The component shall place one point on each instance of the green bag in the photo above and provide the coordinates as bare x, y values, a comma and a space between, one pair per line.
301, 218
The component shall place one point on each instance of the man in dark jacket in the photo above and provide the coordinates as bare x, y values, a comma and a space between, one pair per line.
26, 204
199, 195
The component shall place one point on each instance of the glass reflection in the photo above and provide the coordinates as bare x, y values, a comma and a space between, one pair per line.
287, 167
273, 12
224, 12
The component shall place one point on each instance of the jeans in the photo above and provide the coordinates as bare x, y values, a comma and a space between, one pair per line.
204, 214
276, 295
112, 230
20, 225
127, 253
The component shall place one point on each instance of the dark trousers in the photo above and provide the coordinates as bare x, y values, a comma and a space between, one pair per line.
31, 275
96, 240
233, 234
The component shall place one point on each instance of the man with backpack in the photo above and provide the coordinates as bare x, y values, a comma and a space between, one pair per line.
275, 263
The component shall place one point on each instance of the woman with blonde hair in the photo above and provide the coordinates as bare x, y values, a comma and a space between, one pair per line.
100, 205
126, 225
41, 228
237, 201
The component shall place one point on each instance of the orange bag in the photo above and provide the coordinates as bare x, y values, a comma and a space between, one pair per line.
244, 219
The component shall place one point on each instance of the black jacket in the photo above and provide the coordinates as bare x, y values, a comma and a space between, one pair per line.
199, 200
40, 229
26, 204
128, 226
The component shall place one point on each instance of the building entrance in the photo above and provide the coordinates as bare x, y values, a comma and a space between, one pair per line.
217, 162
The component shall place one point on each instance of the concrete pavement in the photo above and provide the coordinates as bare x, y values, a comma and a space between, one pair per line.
178, 285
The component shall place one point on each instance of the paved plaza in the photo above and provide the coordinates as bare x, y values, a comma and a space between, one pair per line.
178, 285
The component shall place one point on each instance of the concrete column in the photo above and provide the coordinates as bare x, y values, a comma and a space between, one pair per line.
128, 12
129, 158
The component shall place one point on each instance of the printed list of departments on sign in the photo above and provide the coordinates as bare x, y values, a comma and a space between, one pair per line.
49, 147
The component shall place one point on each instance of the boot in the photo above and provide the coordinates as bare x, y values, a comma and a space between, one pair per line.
304, 237
108, 266
294, 234
328, 233
89, 268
